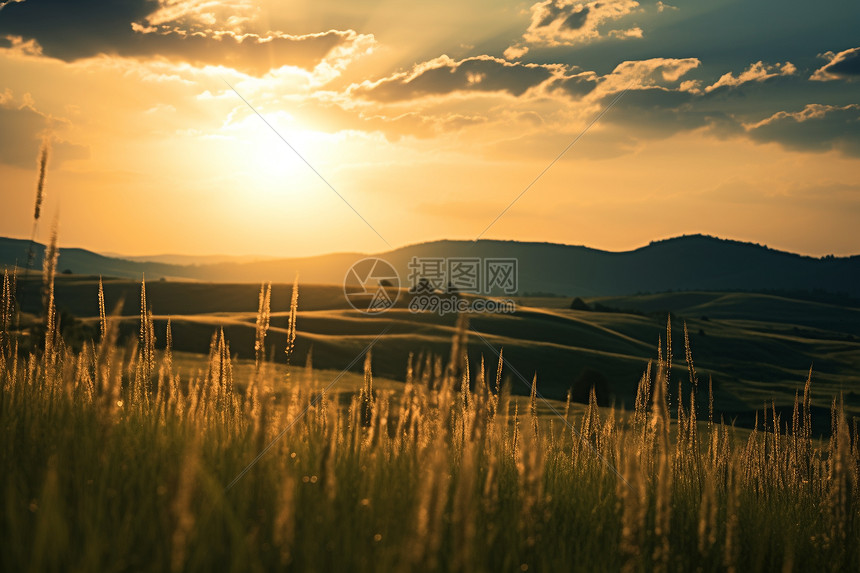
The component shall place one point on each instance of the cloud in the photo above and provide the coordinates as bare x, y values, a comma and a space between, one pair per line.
662, 98
567, 22
444, 75
17, 45
3, 3
661, 102
72, 31
577, 85
658, 101
657, 112
816, 128
656, 105
653, 72
629, 33
230, 14
515, 52
415, 124
24, 127
757, 72
844, 65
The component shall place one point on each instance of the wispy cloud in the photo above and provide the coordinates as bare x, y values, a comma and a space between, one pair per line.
816, 128
444, 75
757, 72
570, 22
842, 66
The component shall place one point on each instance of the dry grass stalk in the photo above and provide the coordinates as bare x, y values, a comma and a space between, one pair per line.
291, 328
49, 310
40, 197
102, 315
262, 325
40, 185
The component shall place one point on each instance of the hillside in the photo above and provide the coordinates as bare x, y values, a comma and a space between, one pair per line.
685, 263
756, 348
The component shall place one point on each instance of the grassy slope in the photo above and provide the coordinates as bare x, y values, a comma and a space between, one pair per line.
757, 348
115, 467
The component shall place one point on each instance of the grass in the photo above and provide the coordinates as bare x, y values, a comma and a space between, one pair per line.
120, 458
756, 349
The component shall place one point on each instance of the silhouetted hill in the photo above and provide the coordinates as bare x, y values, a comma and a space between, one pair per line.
81, 261
684, 263
173, 259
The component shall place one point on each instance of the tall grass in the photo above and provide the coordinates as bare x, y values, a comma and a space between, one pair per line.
113, 461
40, 198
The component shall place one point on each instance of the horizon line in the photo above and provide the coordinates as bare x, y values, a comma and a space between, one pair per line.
259, 257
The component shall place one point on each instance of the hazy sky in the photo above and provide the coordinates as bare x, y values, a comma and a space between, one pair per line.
741, 119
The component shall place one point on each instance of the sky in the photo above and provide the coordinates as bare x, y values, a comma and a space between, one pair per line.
306, 127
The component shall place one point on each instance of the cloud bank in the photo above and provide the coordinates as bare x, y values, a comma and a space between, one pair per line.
176, 31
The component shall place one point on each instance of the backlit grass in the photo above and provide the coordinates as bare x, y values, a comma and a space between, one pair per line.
115, 459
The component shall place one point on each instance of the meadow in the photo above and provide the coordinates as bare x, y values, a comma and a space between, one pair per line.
124, 456
755, 348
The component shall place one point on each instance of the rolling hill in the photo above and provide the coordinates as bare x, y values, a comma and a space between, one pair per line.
685, 263
757, 348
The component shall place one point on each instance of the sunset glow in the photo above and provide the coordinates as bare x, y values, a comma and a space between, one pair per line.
429, 120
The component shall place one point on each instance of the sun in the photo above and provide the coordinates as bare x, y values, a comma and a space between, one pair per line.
275, 151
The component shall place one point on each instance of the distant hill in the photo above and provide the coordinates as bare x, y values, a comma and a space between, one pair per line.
685, 263
81, 261
173, 259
